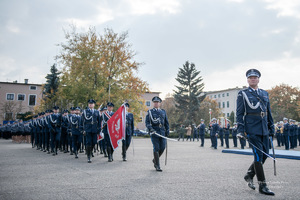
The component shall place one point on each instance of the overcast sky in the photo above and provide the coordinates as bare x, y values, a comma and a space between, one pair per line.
223, 38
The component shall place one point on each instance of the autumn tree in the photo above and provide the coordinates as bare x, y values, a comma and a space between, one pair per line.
102, 67
285, 102
187, 96
168, 105
205, 105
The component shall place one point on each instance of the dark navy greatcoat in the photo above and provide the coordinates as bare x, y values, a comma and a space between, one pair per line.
202, 129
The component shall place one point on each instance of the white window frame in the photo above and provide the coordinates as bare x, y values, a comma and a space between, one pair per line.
31, 86
29, 99
10, 99
18, 97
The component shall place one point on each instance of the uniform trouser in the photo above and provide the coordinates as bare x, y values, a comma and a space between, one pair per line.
91, 139
282, 139
188, 137
292, 141
295, 140
102, 144
69, 138
299, 138
243, 143
32, 138
278, 139
64, 138
108, 143
234, 141
55, 139
127, 141
41, 138
83, 143
47, 139
159, 144
44, 139
196, 135
227, 140
76, 141
36, 138
287, 141
202, 139
181, 135
221, 139
214, 140
261, 142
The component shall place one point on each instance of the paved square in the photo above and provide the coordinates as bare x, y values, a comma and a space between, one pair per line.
192, 172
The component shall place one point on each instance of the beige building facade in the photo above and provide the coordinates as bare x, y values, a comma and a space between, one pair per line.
17, 98
148, 103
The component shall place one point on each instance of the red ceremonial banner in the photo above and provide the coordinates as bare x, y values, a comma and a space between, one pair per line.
116, 127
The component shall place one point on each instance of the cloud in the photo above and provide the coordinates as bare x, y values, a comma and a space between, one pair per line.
138, 7
285, 8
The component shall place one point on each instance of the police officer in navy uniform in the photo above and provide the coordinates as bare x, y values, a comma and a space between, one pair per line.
201, 129
75, 127
55, 129
91, 125
214, 131
278, 134
234, 133
102, 143
226, 133
286, 134
255, 122
104, 118
64, 131
157, 122
221, 136
129, 131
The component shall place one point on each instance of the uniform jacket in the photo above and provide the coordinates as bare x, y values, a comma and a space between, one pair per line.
226, 129
76, 124
54, 122
214, 129
157, 119
91, 120
104, 120
129, 124
202, 129
247, 104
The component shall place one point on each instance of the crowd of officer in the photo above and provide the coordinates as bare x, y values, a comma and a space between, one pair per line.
77, 131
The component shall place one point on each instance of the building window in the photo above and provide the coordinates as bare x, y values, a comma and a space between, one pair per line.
8, 116
10, 97
223, 95
228, 94
21, 97
148, 103
219, 104
215, 96
141, 119
227, 104
223, 104
219, 95
32, 87
32, 100
227, 114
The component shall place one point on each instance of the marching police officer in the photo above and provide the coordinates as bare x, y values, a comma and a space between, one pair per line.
157, 122
255, 122
214, 131
91, 125
75, 127
64, 131
129, 131
234, 133
55, 131
104, 118
201, 128
286, 134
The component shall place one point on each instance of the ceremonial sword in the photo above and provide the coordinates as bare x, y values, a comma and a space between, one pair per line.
273, 155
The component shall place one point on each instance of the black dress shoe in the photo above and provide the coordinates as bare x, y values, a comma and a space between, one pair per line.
76, 156
263, 189
250, 182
